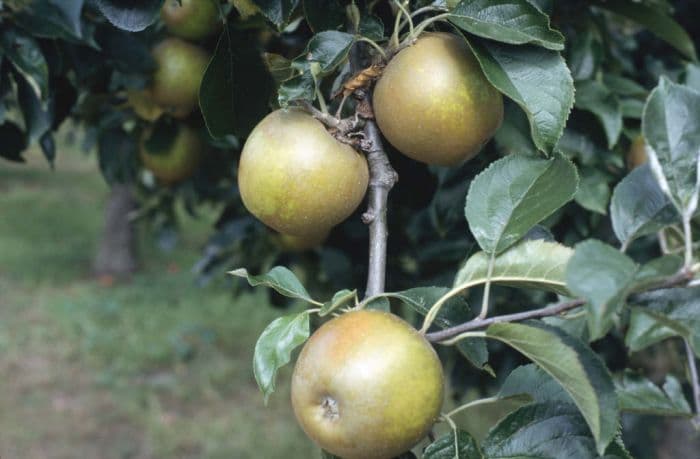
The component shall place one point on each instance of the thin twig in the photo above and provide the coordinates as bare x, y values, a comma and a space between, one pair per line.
694, 381
679, 279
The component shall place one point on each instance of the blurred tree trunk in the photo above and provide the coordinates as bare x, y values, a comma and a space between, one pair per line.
116, 254
679, 440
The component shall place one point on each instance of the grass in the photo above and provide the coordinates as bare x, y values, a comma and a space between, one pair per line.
156, 368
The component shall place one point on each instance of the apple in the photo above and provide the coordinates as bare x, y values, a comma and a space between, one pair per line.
175, 161
191, 19
433, 102
367, 385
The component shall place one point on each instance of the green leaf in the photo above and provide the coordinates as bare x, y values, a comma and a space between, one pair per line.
535, 382
639, 206
644, 330
279, 67
513, 137
603, 276
515, 22
454, 312
324, 14
340, 298
529, 264
274, 348
593, 192
671, 127
656, 271
455, 445
37, 116
281, 280
277, 11
131, 15
235, 87
677, 310
550, 430
574, 365
660, 24
513, 195
329, 49
371, 27
537, 79
639, 395
300, 87
26, 56
594, 97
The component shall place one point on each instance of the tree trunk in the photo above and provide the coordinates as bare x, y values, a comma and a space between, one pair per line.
116, 254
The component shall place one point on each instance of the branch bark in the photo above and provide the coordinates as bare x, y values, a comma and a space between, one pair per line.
682, 278
382, 178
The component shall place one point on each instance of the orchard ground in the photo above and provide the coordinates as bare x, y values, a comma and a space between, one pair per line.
155, 368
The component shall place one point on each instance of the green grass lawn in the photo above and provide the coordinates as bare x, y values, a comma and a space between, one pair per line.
156, 368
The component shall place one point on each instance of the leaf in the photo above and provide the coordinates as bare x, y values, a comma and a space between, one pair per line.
444, 447
574, 365
324, 14
639, 206
550, 430
594, 97
671, 127
300, 87
644, 330
371, 27
340, 298
13, 142
38, 116
281, 279
235, 88
513, 137
274, 348
455, 311
277, 11
536, 79
639, 395
329, 49
513, 195
655, 21
535, 382
656, 271
26, 56
52, 18
677, 310
509, 21
130, 15
603, 277
529, 264
593, 192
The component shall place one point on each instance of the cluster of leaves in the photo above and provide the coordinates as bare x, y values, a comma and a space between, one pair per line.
547, 202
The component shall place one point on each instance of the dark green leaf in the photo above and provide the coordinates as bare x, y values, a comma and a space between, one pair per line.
536, 79
274, 348
593, 192
280, 279
37, 115
13, 142
277, 11
603, 276
656, 271
324, 14
639, 207
677, 310
235, 88
52, 18
26, 56
551, 430
329, 49
658, 23
644, 330
131, 15
574, 365
117, 153
513, 137
300, 87
638, 394
515, 22
594, 97
371, 27
671, 126
513, 195
454, 445
535, 382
